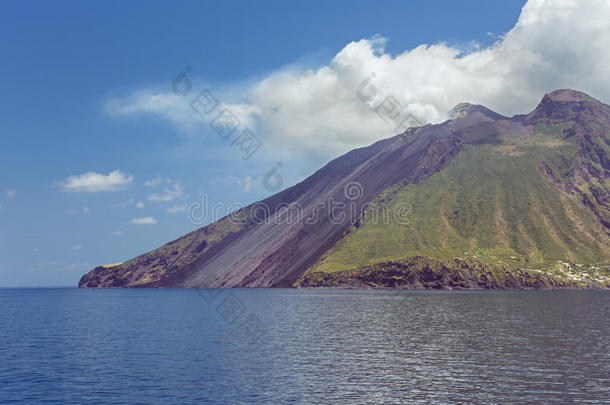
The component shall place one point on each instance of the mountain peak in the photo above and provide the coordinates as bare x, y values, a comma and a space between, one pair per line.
466, 109
564, 104
568, 95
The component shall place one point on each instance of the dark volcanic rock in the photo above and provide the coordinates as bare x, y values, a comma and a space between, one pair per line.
420, 272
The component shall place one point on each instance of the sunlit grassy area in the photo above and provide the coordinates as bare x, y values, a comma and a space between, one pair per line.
493, 203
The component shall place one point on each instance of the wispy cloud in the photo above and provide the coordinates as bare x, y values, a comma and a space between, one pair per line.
144, 221
246, 182
77, 247
11, 193
176, 208
47, 264
124, 204
154, 182
85, 210
128, 203
93, 182
168, 194
79, 266
61, 266
153, 101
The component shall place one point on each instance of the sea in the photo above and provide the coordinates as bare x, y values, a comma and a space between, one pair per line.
303, 346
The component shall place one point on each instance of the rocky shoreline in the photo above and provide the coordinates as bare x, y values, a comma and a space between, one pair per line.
420, 272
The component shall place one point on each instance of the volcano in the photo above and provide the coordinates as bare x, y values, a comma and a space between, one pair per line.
478, 201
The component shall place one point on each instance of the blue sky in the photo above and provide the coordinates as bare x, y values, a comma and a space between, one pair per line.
76, 78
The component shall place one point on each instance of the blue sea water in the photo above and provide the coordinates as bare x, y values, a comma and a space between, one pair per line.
274, 346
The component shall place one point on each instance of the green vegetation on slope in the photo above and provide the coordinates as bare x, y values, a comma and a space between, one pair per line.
493, 203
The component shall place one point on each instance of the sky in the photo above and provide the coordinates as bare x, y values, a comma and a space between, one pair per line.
110, 135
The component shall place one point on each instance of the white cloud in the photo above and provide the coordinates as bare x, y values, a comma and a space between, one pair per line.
176, 208
154, 182
168, 194
11, 193
95, 182
554, 44
139, 204
144, 221
85, 210
77, 247
152, 101
118, 233
176, 109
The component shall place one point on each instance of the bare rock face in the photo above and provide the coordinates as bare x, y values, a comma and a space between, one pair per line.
275, 241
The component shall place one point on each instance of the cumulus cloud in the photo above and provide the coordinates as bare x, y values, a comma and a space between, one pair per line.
144, 221
336, 107
139, 204
93, 182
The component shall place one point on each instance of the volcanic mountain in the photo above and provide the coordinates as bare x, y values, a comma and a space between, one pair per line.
478, 201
